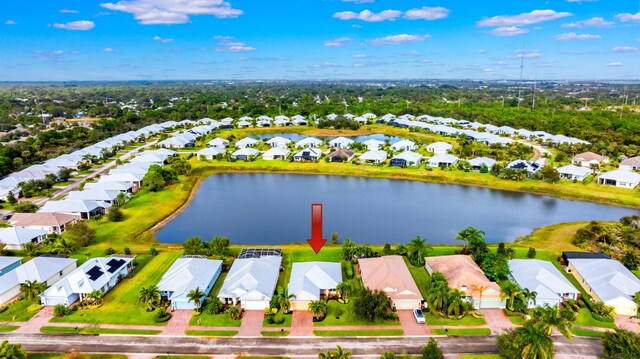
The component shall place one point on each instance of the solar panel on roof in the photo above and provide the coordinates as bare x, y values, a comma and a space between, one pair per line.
114, 264
259, 252
95, 273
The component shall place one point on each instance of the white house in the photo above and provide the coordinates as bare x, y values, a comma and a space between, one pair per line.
542, 277
251, 282
630, 164
47, 270
245, 154
276, 153
373, 156
341, 142
313, 281
279, 142
308, 154
620, 178
373, 144
443, 159
309, 142
7, 264
99, 195
573, 172
404, 145
407, 159
438, 148
101, 273
84, 209
48, 222
119, 186
246, 142
211, 153
17, 237
218, 142
478, 162
185, 275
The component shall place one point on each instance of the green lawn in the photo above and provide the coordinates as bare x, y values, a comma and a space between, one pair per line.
585, 319
71, 330
420, 275
286, 323
18, 312
214, 320
463, 331
434, 319
587, 333
359, 333
83, 356
519, 320
277, 333
120, 305
211, 333
8, 328
347, 317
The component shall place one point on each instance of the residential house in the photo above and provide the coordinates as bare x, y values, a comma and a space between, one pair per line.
246, 142
407, 159
251, 282
391, 275
373, 144
479, 162
124, 187
211, 153
51, 223
404, 145
245, 154
7, 264
308, 154
542, 277
149, 158
438, 148
84, 209
187, 274
569, 255
521, 165
243, 124
16, 237
620, 178
373, 156
341, 155
463, 274
218, 142
309, 142
276, 153
607, 281
134, 178
47, 270
442, 160
573, 172
587, 159
630, 164
313, 281
341, 142
98, 195
101, 274
278, 142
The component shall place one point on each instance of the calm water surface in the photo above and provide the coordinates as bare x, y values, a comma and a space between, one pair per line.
276, 208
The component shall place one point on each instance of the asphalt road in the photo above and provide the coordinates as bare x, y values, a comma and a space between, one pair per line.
290, 346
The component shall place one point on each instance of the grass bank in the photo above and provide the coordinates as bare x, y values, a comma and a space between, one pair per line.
277, 333
211, 333
8, 328
18, 311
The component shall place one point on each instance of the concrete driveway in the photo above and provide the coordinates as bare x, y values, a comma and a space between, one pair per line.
409, 324
627, 323
497, 320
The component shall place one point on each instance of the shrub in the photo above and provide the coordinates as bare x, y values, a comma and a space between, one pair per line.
153, 251
598, 317
349, 270
60, 311
114, 214
109, 251
127, 250
161, 316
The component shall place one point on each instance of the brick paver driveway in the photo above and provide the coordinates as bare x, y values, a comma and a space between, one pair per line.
39, 320
301, 323
627, 323
409, 325
497, 320
178, 323
251, 323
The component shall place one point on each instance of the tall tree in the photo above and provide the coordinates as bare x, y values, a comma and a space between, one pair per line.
31, 289
150, 296
195, 296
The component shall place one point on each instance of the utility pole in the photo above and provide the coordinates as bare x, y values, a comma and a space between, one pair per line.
535, 82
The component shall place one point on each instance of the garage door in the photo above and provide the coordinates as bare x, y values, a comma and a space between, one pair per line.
255, 305
300, 305
406, 304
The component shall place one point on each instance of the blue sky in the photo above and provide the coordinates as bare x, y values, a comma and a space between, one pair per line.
318, 39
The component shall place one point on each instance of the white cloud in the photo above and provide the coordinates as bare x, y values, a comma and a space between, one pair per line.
10, 22
339, 42
413, 53
526, 54
162, 40
628, 17
153, 12
368, 16
398, 39
508, 31
529, 18
593, 22
108, 49
427, 13
572, 36
614, 64
80, 25
482, 51
625, 49
229, 44
359, 56
68, 11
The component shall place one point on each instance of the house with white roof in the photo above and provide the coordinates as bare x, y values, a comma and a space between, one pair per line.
134, 178
407, 159
218, 142
373, 144
187, 274
478, 162
282, 121
16, 237
7, 264
309, 142
630, 164
313, 281
251, 282
47, 270
210, 153
404, 145
442, 160
177, 142
245, 154
573, 172
439, 148
341, 142
125, 187
278, 142
276, 153
542, 277
49, 222
138, 168
607, 281
149, 158
101, 273
521, 165
84, 209
620, 178
373, 156
246, 142
243, 124
308, 154
99, 195
524, 133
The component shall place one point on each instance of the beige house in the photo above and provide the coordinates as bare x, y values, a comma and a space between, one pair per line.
587, 159
463, 274
50, 222
391, 275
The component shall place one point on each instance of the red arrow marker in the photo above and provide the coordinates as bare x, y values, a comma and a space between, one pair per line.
316, 242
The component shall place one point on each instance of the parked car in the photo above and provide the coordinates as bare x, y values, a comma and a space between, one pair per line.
419, 316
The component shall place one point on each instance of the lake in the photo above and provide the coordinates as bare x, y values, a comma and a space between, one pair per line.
276, 209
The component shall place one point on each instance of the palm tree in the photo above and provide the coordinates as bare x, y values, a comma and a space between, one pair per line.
11, 351
416, 250
338, 354
529, 295
284, 298
32, 289
534, 343
64, 246
438, 295
510, 291
150, 296
318, 308
480, 289
95, 296
548, 318
121, 198
195, 296
455, 302
233, 312
470, 236
343, 289
30, 249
